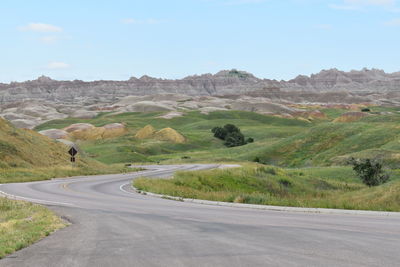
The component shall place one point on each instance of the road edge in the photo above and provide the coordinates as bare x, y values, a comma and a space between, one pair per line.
266, 207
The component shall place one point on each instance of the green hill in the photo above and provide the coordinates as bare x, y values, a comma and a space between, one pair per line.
278, 141
334, 143
26, 155
25, 148
194, 126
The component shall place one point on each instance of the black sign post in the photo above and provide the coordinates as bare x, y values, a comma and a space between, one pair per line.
73, 153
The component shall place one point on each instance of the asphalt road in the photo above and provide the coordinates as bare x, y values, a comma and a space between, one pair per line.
113, 227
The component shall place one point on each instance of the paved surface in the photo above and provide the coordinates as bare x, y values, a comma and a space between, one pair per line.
113, 227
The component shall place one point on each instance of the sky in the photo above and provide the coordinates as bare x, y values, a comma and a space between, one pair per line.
118, 39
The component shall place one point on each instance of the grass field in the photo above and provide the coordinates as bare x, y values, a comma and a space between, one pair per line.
194, 126
324, 187
22, 224
312, 156
278, 141
28, 156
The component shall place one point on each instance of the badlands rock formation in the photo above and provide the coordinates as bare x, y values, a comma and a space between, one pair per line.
166, 134
28, 104
85, 131
231, 82
146, 132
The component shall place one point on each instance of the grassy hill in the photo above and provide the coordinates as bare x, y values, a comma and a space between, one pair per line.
278, 141
193, 125
26, 155
333, 143
333, 187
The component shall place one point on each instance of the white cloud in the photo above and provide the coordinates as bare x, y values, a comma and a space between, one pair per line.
40, 27
393, 23
371, 2
57, 65
344, 7
360, 4
141, 21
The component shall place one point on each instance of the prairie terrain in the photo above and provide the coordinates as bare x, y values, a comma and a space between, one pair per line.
307, 156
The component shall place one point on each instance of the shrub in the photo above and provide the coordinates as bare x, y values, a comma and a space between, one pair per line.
230, 128
370, 172
285, 182
234, 139
220, 132
231, 135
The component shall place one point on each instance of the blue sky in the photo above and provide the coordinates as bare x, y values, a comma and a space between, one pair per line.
277, 39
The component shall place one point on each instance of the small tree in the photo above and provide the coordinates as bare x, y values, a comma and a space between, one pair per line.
220, 132
250, 140
370, 172
230, 128
231, 135
234, 139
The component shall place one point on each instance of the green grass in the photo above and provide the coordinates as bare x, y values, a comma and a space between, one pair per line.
194, 126
22, 224
19, 175
278, 141
333, 113
28, 156
333, 143
333, 187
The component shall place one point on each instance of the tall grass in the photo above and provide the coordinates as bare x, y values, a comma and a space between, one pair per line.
322, 187
22, 223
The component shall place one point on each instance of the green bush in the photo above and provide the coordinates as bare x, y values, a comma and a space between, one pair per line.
231, 135
220, 132
234, 139
370, 172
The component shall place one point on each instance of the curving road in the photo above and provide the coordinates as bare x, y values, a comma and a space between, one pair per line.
112, 226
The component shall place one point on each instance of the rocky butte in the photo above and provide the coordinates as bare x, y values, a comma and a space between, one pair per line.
30, 103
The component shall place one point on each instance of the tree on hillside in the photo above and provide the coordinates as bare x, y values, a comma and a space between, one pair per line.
231, 135
220, 132
370, 172
230, 128
234, 139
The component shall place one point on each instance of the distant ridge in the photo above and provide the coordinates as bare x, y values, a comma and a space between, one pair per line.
226, 82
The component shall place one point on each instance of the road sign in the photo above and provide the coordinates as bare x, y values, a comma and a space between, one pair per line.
72, 159
72, 151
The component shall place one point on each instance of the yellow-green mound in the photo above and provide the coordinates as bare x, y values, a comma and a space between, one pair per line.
351, 117
27, 148
86, 131
166, 134
170, 135
146, 132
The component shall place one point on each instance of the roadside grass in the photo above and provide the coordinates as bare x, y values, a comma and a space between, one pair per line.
19, 175
23, 223
330, 187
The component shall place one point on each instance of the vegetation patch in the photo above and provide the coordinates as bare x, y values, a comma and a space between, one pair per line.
333, 187
232, 135
22, 224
